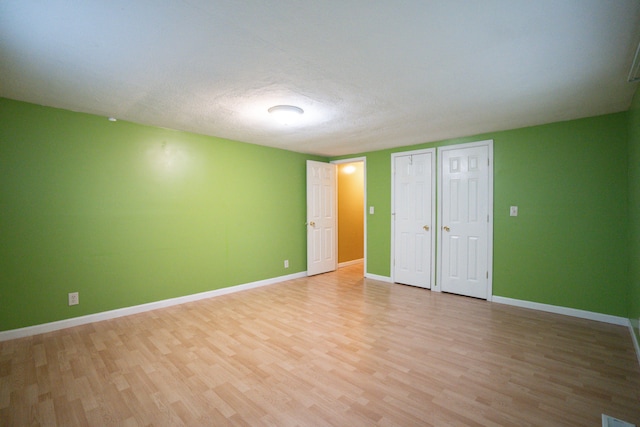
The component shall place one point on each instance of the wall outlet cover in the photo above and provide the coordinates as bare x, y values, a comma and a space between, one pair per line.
74, 298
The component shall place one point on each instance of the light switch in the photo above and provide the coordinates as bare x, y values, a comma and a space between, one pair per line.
513, 211
371, 210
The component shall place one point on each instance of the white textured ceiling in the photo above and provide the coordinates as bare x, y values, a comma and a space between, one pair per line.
369, 74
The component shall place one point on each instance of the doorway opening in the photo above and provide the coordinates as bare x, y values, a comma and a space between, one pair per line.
352, 225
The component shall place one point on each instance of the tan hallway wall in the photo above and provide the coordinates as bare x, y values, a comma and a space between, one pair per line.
350, 211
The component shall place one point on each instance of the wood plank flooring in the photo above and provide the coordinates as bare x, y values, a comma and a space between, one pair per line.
331, 350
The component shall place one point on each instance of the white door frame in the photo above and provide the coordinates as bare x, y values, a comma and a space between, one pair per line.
433, 210
364, 189
489, 144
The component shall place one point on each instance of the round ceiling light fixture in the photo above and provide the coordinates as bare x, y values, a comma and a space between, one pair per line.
285, 113
349, 169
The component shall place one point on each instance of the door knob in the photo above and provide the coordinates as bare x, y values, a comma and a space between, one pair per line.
426, 227
446, 228
313, 224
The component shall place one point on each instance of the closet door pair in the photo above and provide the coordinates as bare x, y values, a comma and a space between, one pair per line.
457, 235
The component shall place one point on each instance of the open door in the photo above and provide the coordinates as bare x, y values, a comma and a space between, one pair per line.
321, 218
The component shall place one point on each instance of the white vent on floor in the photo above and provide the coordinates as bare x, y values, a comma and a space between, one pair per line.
609, 421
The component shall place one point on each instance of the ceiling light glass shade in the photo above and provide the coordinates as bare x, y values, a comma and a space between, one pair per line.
286, 113
349, 169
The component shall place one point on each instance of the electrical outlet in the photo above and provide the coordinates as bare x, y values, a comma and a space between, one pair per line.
74, 299
286, 263
513, 211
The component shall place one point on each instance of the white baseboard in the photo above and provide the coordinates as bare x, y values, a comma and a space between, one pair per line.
112, 314
376, 277
353, 262
583, 314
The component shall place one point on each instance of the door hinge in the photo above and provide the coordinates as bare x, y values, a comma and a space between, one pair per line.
487, 274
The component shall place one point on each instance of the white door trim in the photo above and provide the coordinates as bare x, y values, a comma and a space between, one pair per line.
432, 151
364, 189
489, 144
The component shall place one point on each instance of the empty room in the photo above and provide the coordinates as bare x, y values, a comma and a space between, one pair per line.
298, 213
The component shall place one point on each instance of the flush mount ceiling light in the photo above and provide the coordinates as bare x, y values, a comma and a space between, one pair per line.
285, 113
349, 169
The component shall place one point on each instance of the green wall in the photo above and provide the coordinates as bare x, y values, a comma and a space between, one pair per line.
634, 213
128, 214
568, 246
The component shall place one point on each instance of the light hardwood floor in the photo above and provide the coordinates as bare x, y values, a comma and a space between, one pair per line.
334, 349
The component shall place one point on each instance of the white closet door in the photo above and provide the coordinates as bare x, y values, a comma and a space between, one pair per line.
413, 212
465, 207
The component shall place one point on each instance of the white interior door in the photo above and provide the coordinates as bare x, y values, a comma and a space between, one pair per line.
465, 219
321, 218
413, 192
